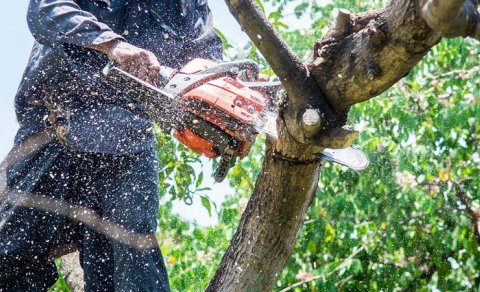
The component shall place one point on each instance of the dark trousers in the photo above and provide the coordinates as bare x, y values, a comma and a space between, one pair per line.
110, 214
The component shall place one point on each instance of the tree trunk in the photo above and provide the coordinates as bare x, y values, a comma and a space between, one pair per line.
269, 226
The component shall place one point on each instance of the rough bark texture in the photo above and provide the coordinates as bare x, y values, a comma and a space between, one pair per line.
358, 59
371, 53
268, 230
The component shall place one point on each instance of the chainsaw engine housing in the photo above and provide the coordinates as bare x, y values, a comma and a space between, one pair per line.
225, 103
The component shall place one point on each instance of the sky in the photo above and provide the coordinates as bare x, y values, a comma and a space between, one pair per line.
14, 53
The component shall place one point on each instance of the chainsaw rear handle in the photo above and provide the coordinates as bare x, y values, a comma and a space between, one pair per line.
185, 82
181, 83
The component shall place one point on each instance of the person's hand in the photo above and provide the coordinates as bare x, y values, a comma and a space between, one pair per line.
134, 60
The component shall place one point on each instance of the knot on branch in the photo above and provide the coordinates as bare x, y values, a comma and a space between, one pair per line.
302, 137
452, 18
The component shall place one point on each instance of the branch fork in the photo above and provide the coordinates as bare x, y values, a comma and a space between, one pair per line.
307, 114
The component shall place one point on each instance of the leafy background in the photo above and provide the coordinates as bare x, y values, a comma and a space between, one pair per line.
406, 223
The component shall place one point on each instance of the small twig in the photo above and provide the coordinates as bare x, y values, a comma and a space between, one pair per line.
342, 282
470, 71
311, 221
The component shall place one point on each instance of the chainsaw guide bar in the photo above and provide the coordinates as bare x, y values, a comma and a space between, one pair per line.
212, 112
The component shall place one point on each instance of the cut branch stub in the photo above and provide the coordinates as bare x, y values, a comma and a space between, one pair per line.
311, 122
344, 22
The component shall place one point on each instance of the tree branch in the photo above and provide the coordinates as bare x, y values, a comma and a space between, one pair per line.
286, 65
370, 52
453, 17
365, 54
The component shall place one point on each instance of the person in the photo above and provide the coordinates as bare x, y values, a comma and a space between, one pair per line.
84, 168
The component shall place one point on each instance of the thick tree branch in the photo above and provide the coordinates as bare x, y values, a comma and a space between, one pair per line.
365, 54
371, 52
288, 67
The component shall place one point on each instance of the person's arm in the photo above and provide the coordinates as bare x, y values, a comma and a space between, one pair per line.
57, 22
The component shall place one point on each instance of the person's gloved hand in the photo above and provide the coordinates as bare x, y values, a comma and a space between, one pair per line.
134, 60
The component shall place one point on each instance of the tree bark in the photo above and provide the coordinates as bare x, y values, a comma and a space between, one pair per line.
361, 57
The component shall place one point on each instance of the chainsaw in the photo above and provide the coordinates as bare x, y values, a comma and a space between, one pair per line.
214, 112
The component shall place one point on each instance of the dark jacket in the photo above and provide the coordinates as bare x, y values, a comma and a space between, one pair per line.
100, 120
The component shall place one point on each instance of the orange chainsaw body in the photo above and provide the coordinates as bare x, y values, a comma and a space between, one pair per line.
226, 103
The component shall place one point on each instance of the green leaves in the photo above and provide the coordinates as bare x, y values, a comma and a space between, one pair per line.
225, 42
207, 204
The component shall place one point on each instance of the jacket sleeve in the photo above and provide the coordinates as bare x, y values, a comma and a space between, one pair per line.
56, 22
206, 43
